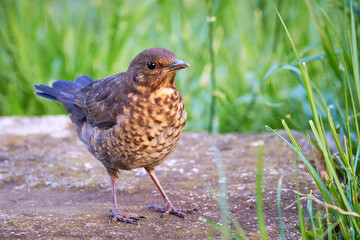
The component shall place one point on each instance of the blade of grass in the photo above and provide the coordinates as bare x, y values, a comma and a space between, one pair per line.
223, 194
211, 19
223, 229
354, 54
329, 229
304, 73
355, 65
281, 221
310, 211
238, 228
299, 206
259, 199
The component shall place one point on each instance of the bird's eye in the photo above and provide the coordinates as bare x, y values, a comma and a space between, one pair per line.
151, 65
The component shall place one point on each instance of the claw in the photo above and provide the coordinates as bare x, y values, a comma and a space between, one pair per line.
157, 208
170, 209
136, 217
116, 216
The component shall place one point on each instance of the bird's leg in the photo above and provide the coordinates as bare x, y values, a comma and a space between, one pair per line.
169, 207
115, 213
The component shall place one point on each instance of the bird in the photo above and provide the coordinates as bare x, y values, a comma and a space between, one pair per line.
129, 120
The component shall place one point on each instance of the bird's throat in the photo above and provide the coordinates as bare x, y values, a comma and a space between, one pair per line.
169, 80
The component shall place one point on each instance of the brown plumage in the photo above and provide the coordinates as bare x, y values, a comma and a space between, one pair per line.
129, 120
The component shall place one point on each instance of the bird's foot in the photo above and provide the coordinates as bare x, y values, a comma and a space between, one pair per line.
169, 208
116, 216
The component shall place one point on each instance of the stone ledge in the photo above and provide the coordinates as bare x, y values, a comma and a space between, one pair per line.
51, 187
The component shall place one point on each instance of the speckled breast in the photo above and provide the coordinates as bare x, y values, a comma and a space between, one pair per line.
148, 130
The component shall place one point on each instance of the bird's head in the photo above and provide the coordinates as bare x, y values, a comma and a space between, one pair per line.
155, 68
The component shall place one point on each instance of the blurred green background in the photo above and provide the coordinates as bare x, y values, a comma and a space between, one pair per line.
41, 41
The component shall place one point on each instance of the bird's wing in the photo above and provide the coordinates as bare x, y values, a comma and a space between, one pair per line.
102, 100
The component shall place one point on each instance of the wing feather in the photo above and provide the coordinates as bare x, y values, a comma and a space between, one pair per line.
102, 100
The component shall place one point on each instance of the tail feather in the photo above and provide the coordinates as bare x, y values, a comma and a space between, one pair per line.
64, 91
83, 80
52, 93
44, 95
62, 85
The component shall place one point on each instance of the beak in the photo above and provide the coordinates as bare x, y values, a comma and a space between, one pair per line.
178, 64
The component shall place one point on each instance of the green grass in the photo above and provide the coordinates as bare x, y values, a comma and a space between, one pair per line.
42, 41
340, 193
337, 215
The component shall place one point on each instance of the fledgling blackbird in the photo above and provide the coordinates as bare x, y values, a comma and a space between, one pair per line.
129, 120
